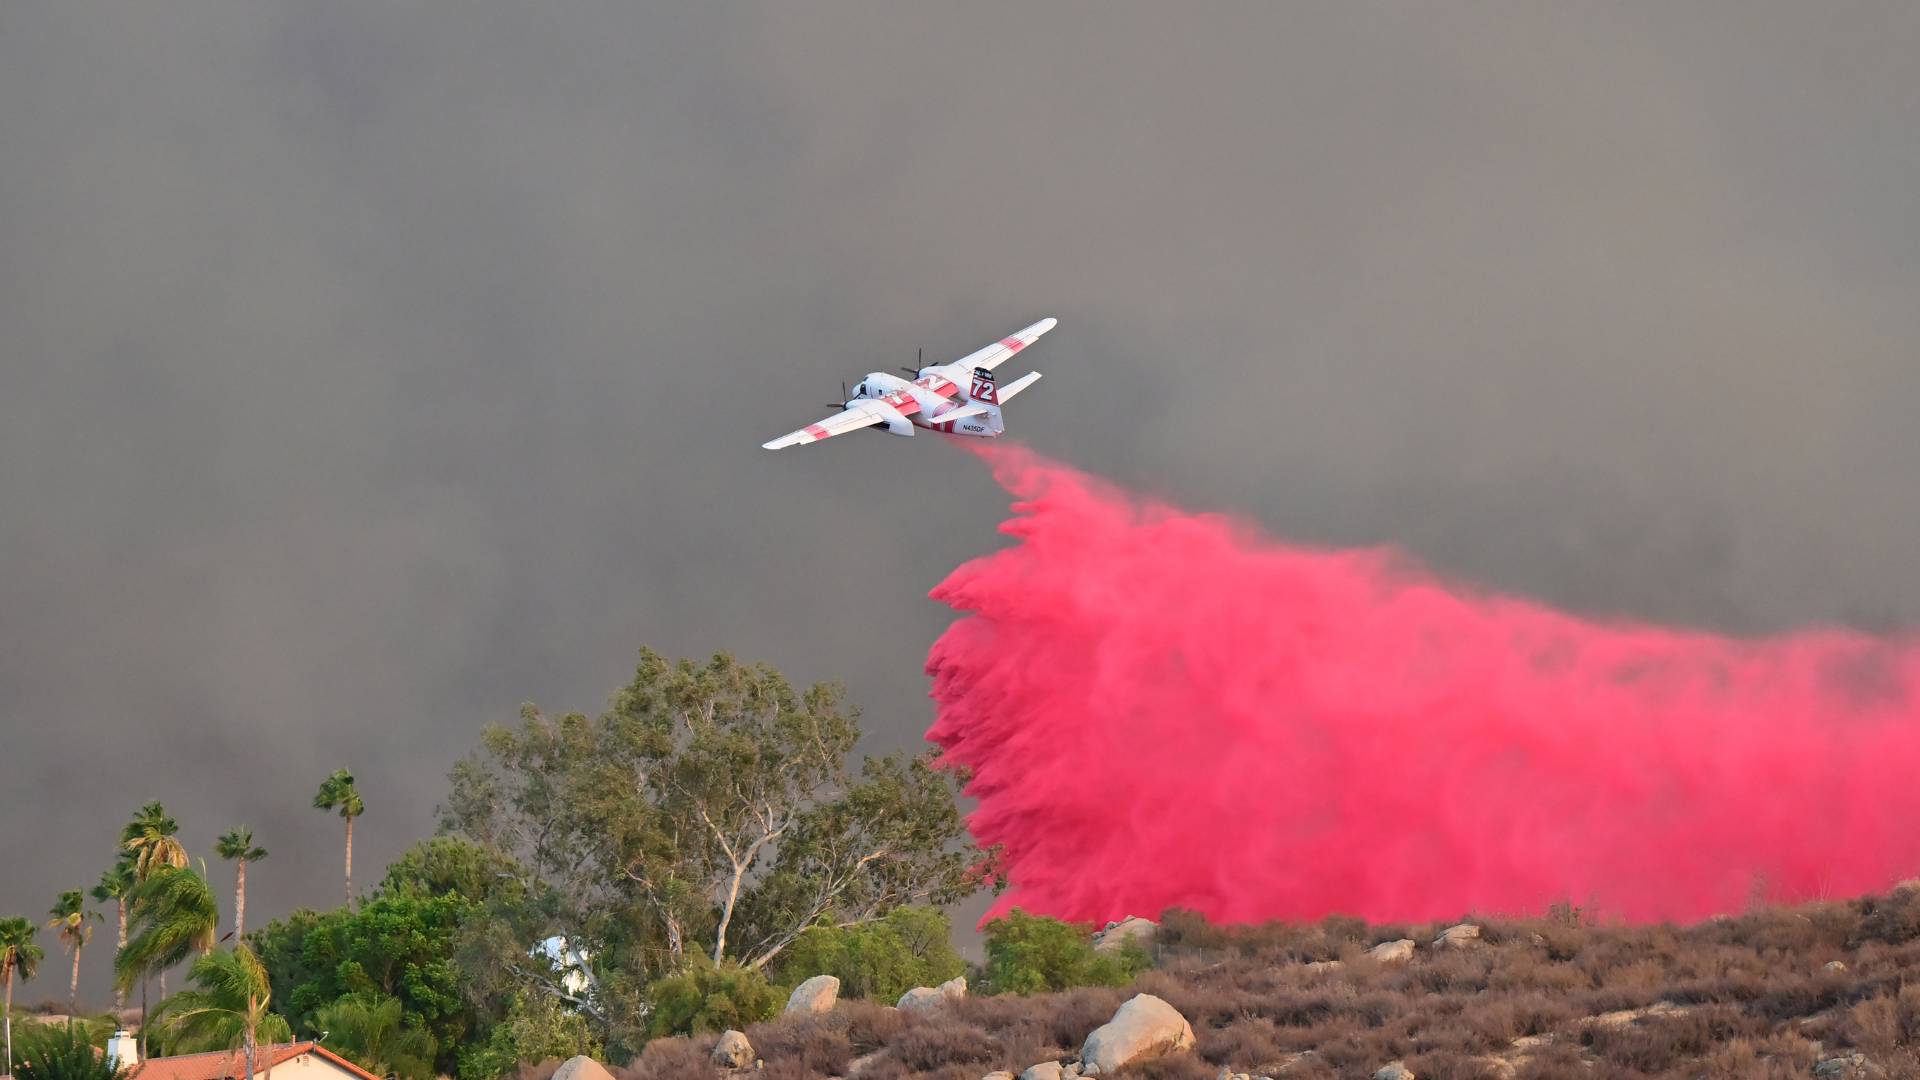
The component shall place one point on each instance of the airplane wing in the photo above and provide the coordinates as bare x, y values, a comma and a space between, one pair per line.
838, 424
1001, 351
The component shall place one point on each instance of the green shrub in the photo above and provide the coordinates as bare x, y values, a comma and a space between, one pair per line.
57, 1052
878, 961
1030, 954
537, 1028
705, 998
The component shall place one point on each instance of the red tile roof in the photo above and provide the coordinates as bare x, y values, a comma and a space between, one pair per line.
232, 1064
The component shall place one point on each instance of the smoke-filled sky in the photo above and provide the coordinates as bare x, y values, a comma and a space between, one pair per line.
367, 369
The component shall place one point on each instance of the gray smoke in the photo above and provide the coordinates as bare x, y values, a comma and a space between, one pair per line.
372, 368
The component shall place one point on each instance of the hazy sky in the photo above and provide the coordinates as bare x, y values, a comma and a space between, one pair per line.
372, 368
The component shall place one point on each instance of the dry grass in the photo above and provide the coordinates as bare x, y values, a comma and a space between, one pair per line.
1748, 997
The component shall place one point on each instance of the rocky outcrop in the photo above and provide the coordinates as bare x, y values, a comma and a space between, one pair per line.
1394, 1071
1143, 1027
1001, 1075
1623, 1017
1130, 929
1464, 936
733, 1051
1392, 952
1834, 966
581, 1067
1850, 1067
926, 997
1049, 1070
817, 995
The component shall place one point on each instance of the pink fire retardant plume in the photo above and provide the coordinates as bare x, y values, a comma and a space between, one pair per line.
1165, 709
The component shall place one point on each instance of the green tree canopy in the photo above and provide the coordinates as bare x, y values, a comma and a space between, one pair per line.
116, 881
452, 864
238, 844
399, 947
338, 793
71, 920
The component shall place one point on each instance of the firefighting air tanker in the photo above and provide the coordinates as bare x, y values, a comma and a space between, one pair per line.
958, 398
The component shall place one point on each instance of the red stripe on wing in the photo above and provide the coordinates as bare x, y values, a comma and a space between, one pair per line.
943, 387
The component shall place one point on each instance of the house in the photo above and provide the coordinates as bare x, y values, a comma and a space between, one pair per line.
289, 1061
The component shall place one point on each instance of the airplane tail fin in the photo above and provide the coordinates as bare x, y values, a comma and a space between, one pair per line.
983, 395
978, 413
982, 390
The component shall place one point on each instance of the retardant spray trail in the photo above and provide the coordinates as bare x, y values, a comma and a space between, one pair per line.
1166, 709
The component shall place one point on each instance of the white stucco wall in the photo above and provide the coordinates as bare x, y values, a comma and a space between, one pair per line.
311, 1067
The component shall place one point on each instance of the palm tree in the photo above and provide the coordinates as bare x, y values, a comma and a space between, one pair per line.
115, 884
75, 926
65, 1053
150, 841
18, 956
227, 1010
238, 846
149, 837
373, 1033
174, 915
337, 792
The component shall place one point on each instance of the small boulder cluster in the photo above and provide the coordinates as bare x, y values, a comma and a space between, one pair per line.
1463, 936
1143, 1027
817, 995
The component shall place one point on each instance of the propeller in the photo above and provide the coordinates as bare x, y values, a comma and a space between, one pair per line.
919, 361
844, 397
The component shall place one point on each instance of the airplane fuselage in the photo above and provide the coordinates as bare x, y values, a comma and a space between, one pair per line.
935, 394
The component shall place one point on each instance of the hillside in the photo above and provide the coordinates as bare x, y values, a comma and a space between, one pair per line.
1780, 992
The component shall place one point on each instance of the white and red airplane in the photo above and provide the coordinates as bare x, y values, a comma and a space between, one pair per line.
958, 398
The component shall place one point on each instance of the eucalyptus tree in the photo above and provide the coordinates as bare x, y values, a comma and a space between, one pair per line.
238, 847
19, 956
338, 793
115, 883
73, 923
712, 811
